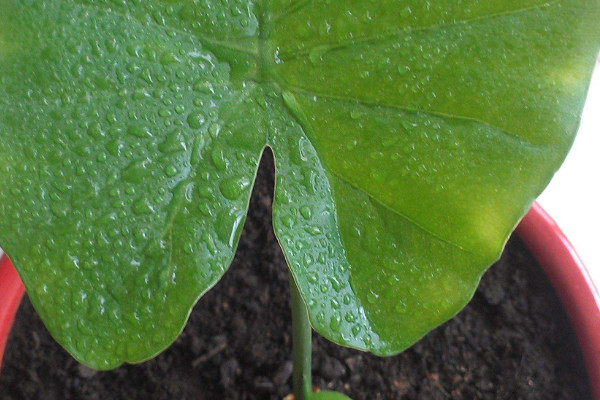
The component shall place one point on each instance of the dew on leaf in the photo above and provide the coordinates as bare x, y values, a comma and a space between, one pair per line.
335, 304
232, 188
171, 170
164, 113
306, 212
372, 297
219, 159
168, 58
349, 316
142, 206
312, 277
214, 130
335, 322
128, 76
321, 316
139, 131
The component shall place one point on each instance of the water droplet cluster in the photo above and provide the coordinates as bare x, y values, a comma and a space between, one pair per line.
130, 131
140, 152
305, 221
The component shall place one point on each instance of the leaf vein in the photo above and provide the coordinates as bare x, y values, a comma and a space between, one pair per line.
400, 214
291, 9
305, 123
329, 46
307, 92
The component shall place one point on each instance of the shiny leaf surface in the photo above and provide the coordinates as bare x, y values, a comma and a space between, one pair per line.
410, 137
328, 395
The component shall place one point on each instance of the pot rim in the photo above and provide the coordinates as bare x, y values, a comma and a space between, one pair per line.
11, 292
537, 230
571, 281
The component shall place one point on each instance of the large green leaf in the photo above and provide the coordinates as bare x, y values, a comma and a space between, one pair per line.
410, 137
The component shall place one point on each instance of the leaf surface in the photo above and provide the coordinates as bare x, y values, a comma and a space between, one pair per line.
409, 139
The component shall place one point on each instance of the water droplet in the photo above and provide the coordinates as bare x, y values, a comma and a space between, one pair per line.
169, 58
321, 316
171, 171
139, 131
335, 303
233, 188
346, 299
218, 158
335, 283
312, 277
204, 87
308, 260
142, 206
196, 120
164, 113
306, 212
96, 131
173, 143
136, 171
205, 209
335, 322
350, 317
372, 297
214, 130
287, 221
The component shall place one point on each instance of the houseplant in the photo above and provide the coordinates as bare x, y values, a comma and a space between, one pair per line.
509, 342
134, 130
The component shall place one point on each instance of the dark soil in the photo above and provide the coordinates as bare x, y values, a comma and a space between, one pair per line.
513, 341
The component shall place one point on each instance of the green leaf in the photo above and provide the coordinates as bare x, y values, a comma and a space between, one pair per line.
410, 137
329, 395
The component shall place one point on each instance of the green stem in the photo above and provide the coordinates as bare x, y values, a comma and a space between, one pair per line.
302, 343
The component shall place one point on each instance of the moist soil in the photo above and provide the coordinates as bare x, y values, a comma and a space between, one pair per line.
513, 341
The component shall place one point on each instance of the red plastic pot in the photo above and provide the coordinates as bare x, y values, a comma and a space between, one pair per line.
538, 231
570, 280
11, 292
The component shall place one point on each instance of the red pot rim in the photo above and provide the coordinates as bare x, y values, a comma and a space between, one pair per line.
571, 281
539, 232
11, 292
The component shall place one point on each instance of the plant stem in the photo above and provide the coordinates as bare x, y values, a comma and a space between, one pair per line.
302, 344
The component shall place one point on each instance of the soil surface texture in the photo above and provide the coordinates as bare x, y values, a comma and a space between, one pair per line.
513, 341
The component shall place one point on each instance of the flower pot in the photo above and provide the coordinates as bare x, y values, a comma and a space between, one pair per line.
11, 291
539, 233
570, 280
